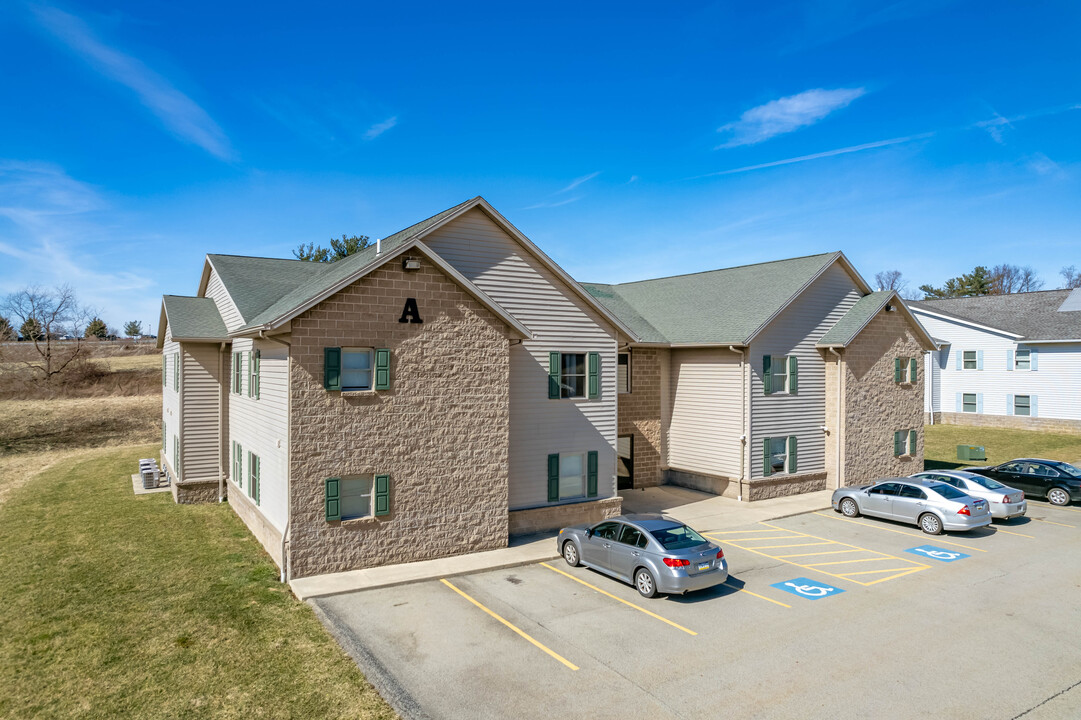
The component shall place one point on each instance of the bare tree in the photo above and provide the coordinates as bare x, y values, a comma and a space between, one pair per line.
57, 313
890, 280
1071, 276
1007, 279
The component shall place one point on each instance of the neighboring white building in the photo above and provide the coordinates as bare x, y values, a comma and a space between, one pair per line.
1006, 360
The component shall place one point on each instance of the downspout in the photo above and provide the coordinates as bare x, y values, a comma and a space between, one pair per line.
221, 421
743, 439
285, 569
928, 373
837, 429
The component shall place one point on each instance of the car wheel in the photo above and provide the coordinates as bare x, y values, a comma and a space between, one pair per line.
643, 580
1058, 496
570, 553
849, 508
930, 524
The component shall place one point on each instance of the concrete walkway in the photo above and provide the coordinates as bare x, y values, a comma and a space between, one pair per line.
701, 511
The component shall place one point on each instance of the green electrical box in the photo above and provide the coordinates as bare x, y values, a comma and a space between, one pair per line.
971, 452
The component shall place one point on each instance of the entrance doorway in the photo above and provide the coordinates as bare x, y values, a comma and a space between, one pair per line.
625, 462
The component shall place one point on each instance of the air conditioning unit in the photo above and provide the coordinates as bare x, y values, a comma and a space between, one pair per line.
971, 452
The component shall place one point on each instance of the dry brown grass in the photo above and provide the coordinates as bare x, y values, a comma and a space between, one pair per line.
34, 426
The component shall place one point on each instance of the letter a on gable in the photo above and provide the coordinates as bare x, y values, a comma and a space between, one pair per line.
410, 314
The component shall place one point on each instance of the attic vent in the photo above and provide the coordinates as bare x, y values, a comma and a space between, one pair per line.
1072, 302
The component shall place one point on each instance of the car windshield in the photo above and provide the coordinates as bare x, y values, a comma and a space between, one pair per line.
986, 482
677, 537
947, 491
1066, 469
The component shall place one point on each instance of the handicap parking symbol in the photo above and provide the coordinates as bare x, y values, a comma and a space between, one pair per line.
937, 553
810, 589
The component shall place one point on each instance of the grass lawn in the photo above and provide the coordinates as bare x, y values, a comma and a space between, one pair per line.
1002, 444
28, 426
113, 605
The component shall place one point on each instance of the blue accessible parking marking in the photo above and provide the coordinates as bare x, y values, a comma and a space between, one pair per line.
937, 553
810, 589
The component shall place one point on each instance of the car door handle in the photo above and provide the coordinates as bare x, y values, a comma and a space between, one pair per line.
607, 545
635, 553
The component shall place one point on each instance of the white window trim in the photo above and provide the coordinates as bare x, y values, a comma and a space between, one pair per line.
975, 359
370, 479
1027, 407
787, 375
975, 403
584, 376
584, 476
371, 369
784, 469
1016, 359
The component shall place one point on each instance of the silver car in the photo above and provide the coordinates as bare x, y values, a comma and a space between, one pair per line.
933, 506
1005, 502
654, 553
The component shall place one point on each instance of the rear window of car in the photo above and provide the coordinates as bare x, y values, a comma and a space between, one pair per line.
676, 537
1066, 469
947, 491
986, 482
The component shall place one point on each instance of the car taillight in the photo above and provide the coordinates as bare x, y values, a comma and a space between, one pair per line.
720, 553
964, 511
676, 562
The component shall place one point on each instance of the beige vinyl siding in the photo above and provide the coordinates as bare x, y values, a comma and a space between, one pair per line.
706, 412
199, 404
170, 399
216, 291
560, 321
259, 425
795, 332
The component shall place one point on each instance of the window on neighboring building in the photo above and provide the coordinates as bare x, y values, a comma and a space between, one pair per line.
623, 373
572, 375
238, 464
969, 361
356, 369
904, 442
356, 496
968, 402
253, 477
238, 372
1022, 405
1022, 360
572, 475
779, 374
779, 455
779, 371
253, 374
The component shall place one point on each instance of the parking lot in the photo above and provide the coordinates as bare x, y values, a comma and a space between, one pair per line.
822, 616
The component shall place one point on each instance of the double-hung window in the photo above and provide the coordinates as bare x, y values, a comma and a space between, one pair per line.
969, 361
1022, 360
238, 464
905, 442
1022, 404
574, 375
779, 374
238, 372
779, 455
968, 402
572, 475
356, 495
253, 374
905, 370
356, 369
253, 477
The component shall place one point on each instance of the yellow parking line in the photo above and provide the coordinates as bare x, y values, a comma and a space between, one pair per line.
770, 547
900, 532
831, 552
558, 657
875, 572
734, 532
763, 597
1057, 507
1052, 522
636, 607
893, 577
1008, 532
736, 540
846, 562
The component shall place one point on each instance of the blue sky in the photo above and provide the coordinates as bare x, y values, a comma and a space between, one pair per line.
627, 142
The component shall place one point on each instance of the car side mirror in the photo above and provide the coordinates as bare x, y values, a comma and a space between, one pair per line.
589, 532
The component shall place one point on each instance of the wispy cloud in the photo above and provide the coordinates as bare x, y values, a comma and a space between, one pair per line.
379, 128
818, 156
997, 125
578, 181
786, 114
568, 201
180, 115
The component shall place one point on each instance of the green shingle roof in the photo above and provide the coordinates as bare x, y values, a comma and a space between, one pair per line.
855, 319
194, 318
256, 283
333, 273
726, 306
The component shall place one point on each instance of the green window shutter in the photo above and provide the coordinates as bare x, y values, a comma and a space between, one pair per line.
911, 442
382, 369
257, 360
332, 500
553, 376
553, 477
591, 473
176, 372
239, 466
251, 375
766, 469
251, 474
898, 443
792, 447
767, 374
793, 375
381, 496
594, 375
258, 479
913, 370
897, 370
332, 370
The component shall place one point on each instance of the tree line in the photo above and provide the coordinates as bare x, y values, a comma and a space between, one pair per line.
1002, 279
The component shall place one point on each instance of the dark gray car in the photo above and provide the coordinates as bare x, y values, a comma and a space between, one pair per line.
654, 553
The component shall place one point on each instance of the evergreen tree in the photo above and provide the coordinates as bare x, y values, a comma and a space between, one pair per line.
346, 246
96, 328
31, 330
6, 331
133, 329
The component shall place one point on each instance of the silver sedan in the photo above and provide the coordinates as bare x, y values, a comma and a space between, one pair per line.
933, 506
1005, 502
654, 553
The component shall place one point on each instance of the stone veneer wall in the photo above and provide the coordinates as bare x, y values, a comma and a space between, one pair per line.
195, 491
1007, 421
267, 535
876, 406
441, 432
640, 415
559, 516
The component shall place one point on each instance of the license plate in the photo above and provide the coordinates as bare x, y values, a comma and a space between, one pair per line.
703, 566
